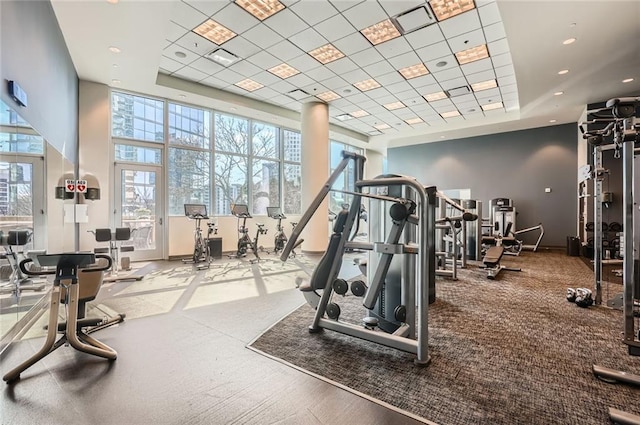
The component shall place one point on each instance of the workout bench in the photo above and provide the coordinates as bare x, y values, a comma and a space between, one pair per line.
492, 257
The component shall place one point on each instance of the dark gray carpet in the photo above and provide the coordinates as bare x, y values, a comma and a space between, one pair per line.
508, 351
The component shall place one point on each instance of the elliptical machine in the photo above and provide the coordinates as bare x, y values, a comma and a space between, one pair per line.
201, 253
241, 211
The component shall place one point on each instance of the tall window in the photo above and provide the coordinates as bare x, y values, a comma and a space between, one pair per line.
231, 162
189, 157
265, 167
137, 117
291, 173
338, 200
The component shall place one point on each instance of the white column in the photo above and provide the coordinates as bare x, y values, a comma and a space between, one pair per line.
373, 167
315, 171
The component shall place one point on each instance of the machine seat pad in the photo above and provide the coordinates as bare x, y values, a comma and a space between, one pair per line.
127, 248
305, 286
488, 240
509, 241
493, 256
19, 237
101, 250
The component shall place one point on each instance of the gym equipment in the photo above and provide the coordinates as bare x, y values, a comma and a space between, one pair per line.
241, 211
473, 240
571, 295
115, 249
279, 239
451, 236
584, 297
414, 259
626, 133
77, 280
502, 212
201, 257
18, 282
494, 253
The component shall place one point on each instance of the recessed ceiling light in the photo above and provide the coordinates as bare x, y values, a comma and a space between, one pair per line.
394, 105
484, 85
569, 41
114, 81
284, 71
233, 108
627, 80
552, 120
442, 137
328, 96
432, 97
112, 1
359, 114
213, 31
182, 96
382, 126
381, 32
114, 49
413, 121
441, 64
223, 57
473, 54
367, 85
564, 71
450, 114
115, 65
249, 85
327, 53
445, 9
180, 54
261, 9
558, 93
492, 106
344, 117
414, 71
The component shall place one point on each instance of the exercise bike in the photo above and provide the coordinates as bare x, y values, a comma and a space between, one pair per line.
201, 257
279, 239
245, 243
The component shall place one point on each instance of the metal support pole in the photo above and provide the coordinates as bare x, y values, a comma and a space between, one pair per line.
629, 254
597, 219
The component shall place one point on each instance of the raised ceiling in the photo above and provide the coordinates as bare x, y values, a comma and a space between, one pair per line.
524, 41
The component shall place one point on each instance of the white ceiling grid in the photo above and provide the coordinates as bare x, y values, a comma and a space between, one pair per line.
304, 25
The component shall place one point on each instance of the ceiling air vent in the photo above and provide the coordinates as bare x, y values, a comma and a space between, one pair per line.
458, 91
298, 94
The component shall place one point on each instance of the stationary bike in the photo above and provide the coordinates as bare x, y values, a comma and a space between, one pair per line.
241, 211
201, 254
279, 239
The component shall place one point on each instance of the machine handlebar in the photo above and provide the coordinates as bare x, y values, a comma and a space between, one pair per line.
28, 272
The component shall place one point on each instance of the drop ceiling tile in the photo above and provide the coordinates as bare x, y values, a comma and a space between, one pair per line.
245, 68
264, 60
229, 76
285, 51
434, 51
378, 93
281, 99
454, 83
479, 77
468, 107
477, 66
335, 83
399, 87
335, 28
262, 36
379, 68
191, 74
283, 86
207, 66
396, 7
441, 64
214, 82
187, 16
500, 60
265, 78
366, 57
308, 40
466, 41
313, 12
489, 14
241, 47
266, 93
369, 119
304, 63
465, 98
448, 74
354, 76
366, 104
423, 81
404, 113
494, 32
170, 52
498, 47
390, 78
353, 43
286, 23
394, 47
365, 14
510, 96
425, 36
508, 80
405, 60
236, 18
493, 94
342, 5
356, 97
511, 105
460, 24
341, 103
314, 88
175, 31
166, 44
412, 101
505, 71
289, 3
320, 73
170, 64
342, 65
196, 44
506, 89
206, 7
300, 80
442, 105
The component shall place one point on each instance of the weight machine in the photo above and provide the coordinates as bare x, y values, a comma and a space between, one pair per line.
502, 213
623, 126
402, 266
451, 236
201, 257
115, 249
18, 282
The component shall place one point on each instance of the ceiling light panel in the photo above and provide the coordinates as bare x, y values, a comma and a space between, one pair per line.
328, 96
492, 106
215, 32
473, 54
450, 114
414, 121
414, 71
394, 105
284, 71
445, 9
359, 114
484, 85
326, 54
382, 127
381, 32
261, 9
432, 97
223, 57
367, 85
249, 85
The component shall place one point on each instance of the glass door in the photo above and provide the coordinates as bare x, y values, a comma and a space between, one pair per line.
139, 206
